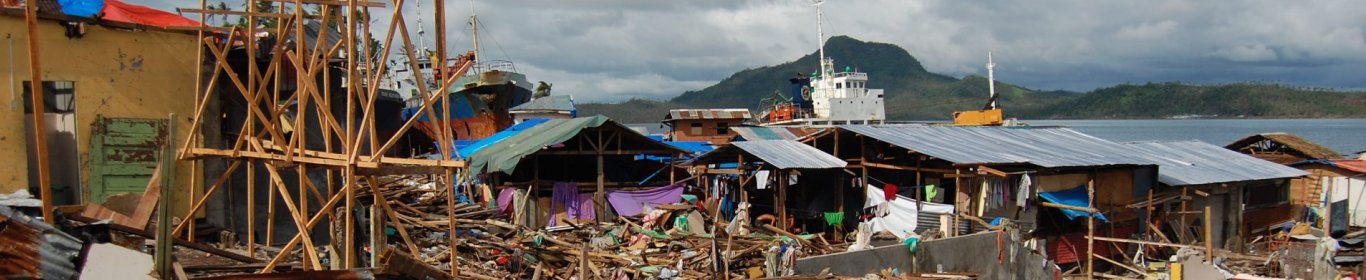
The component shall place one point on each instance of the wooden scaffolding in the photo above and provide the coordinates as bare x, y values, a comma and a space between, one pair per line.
358, 158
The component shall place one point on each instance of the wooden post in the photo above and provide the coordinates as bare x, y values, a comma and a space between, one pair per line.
780, 201
251, 207
163, 234
957, 203
1184, 230
1090, 225
349, 213
1147, 230
1209, 236
740, 166
303, 202
36, 96
450, 216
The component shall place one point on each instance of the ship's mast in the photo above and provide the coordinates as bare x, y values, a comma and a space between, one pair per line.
991, 80
421, 41
474, 29
820, 31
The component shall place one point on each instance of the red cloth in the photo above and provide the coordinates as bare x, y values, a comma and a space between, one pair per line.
889, 191
115, 10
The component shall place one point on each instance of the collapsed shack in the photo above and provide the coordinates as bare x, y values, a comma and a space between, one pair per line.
1246, 195
546, 163
995, 175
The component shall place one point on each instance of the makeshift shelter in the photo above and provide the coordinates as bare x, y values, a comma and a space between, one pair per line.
764, 160
1333, 181
1235, 186
990, 172
1281, 147
551, 157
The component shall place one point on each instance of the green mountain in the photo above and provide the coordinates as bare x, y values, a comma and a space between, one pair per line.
912, 93
1251, 100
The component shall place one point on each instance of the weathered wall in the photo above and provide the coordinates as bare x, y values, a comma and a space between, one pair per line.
117, 73
975, 253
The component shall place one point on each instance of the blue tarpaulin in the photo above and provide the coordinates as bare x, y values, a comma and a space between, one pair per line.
1071, 197
471, 148
81, 8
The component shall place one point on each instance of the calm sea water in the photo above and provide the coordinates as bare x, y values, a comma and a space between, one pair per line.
1347, 136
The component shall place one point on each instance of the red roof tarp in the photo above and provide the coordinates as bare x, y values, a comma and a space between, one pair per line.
115, 10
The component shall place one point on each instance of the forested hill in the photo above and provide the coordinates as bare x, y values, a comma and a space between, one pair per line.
913, 93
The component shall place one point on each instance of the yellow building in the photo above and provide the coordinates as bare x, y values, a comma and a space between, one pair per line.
106, 70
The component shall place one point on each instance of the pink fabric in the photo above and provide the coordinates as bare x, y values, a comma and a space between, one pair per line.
576, 206
505, 200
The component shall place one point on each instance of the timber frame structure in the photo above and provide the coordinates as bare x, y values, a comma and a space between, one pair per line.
357, 159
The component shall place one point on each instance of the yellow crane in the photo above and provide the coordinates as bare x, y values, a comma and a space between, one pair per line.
989, 115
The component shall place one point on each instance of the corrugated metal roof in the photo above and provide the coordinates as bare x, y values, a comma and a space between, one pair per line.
785, 154
548, 103
699, 114
753, 133
503, 155
1193, 162
1044, 147
1351, 164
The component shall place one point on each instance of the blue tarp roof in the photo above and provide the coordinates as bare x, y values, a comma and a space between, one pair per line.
1071, 197
471, 148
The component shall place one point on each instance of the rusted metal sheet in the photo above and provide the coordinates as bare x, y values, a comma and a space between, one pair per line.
123, 154
32, 249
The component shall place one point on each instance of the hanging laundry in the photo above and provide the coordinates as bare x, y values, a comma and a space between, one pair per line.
889, 190
931, 192
631, 203
834, 218
576, 206
761, 179
1021, 198
505, 199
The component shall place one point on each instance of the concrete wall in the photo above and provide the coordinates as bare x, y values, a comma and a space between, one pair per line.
117, 73
975, 253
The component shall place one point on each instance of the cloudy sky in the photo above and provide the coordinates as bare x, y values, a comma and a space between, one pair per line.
612, 50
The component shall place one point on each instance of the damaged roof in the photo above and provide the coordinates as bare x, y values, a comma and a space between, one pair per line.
1294, 144
504, 155
1182, 163
753, 133
549, 103
1047, 147
707, 114
783, 154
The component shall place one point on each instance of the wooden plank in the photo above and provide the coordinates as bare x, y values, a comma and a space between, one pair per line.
235, 13
180, 242
335, 3
401, 170
1069, 207
148, 203
37, 97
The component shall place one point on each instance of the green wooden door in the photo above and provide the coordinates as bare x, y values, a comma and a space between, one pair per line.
123, 155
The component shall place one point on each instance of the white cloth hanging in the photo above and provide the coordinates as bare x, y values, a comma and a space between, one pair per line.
1022, 195
761, 179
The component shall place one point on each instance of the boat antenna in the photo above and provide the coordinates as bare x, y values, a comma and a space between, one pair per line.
991, 81
820, 31
474, 30
421, 34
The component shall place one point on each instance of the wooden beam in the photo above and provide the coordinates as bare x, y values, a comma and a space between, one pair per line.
1143, 242
367, 4
235, 13
985, 170
865, 163
36, 96
401, 170
606, 152
1069, 207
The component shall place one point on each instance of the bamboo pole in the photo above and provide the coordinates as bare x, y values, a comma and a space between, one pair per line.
36, 96
251, 207
1209, 236
450, 215
1090, 225
163, 233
